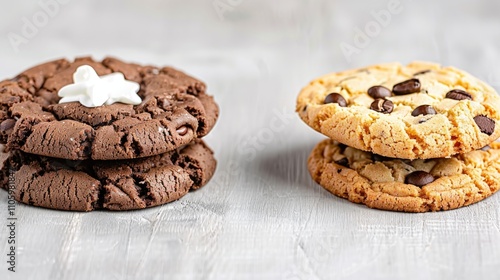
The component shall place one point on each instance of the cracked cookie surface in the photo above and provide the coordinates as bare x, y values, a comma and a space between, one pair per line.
418, 111
112, 185
406, 185
175, 109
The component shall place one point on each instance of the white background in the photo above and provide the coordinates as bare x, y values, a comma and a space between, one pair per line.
261, 217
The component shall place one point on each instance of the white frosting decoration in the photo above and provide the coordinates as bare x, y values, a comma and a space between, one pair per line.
91, 90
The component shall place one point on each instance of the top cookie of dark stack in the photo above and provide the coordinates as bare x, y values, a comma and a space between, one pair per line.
175, 110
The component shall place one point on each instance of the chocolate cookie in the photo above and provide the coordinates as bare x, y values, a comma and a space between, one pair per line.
421, 110
175, 110
114, 185
406, 185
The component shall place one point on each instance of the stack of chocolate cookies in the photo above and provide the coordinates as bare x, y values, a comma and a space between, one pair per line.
412, 138
124, 136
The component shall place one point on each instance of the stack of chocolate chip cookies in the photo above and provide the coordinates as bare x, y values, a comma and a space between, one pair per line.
124, 136
411, 138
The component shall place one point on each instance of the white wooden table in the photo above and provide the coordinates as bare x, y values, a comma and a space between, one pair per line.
261, 217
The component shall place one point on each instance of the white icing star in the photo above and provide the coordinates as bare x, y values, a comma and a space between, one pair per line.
91, 90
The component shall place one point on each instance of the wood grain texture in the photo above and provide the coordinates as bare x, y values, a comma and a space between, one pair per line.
261, 217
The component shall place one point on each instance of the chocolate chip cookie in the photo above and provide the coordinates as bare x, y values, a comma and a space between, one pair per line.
418, 111
113, 185
175, 109
406, 185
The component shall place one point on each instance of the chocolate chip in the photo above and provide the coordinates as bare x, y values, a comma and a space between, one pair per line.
485, 124
422, 72
406, 87
336, 98
7, 124
342, 147
183, 130
379, 92
382, 106
419, 178
458, 94
343, 161
423, 110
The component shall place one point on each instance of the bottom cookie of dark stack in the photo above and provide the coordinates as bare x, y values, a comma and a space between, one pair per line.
113, 185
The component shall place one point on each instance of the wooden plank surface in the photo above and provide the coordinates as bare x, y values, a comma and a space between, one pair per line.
261, 217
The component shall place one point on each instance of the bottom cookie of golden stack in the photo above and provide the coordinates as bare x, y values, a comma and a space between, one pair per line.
406, 185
